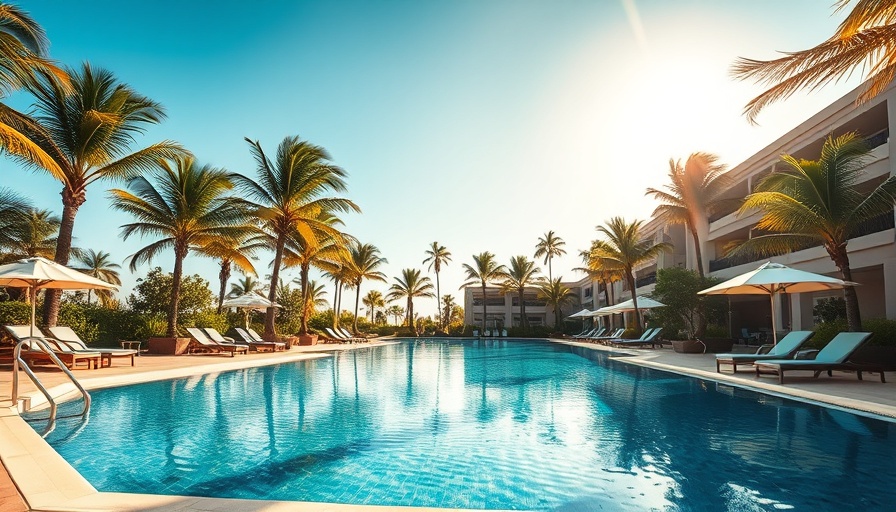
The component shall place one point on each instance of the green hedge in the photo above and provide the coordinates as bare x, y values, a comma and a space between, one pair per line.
884, 332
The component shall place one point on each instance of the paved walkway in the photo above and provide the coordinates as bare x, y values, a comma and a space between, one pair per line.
45, 479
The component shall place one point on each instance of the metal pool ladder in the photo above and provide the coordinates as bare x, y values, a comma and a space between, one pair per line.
19, 363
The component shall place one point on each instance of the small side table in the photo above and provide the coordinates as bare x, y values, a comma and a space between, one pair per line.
132, 345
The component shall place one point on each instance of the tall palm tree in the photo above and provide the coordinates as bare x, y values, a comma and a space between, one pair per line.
34, 235
625, 248
22, 63
90, 134
324, 251
13, 218
234, 252
289, 195
186, 209
341, 276
449, 306
409, 286
316, 293
243, 286
365, 260
556, 294
521, 274
549, 245
374, 299
806, 203
483, 271
396, 312
865, 40
694, 194
99, 264
437, 255
604, 272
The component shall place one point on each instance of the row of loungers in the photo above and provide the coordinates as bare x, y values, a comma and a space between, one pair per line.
649, 337
66, 345
209, 340
783, 357
342, 336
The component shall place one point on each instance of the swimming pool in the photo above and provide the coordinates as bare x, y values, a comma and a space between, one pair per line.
469, 424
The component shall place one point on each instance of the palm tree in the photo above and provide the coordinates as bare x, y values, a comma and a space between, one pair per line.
448, 308
289, 196
437, 255
234, 252
694, 194
521, 274
316, 292
483, 271
624, 248
549, 245
556, 294
186, 209
374, 299
865, 40
243, 286
13, 219
604, 272
807, 203
396, 312
34, 235
341, 276
99, 264
410, 286
22, 63
365, 260
324, 251
89, 134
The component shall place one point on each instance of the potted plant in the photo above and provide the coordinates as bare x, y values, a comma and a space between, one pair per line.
687, 313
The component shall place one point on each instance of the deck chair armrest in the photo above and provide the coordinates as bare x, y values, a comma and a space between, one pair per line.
764, 349
806, 354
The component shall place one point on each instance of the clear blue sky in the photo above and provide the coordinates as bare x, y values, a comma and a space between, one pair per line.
478, 124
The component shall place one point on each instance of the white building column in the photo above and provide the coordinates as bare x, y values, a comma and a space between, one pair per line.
796, 312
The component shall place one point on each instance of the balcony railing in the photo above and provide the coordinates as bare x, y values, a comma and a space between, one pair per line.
646, 280
877, 224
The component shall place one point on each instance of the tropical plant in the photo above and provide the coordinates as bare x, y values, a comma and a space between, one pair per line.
243, 286
289, 196
810, 202
437, 255
89, 134
484, 270
364, 262
549, 245
521, 274
686, 310
341, 276
314, 298
152, 295
324, 250
99, 264
449, 307
396, 312
410, 286
624, 248
22, 63
556, 294
864, 40
234, 252
694, 194
374, 299
604, 272
186, 208
33, 235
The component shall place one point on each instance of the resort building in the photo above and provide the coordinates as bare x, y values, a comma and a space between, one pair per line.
503, 310
872, 248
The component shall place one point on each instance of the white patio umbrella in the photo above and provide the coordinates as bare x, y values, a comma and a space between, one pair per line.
581, 314
39, 273
629, 305
248, 302
772, 278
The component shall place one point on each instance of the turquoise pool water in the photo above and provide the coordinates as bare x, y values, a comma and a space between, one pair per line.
495, 425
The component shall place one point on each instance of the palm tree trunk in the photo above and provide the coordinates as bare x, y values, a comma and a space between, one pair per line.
223, 277
88, 296
524, 320
698, 253
630, 276
411, 322
179, 255
357, 302
841, 258
484, 315
438, 301
270, 331
306, 307
550, 273
71, 201
336, 305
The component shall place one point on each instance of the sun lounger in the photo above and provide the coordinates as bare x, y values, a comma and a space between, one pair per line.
69, 337
35, 354
201, 343
650, 337
834, 356
337, 336
349, 335
590, 333
614, 335
786, 348
258, 346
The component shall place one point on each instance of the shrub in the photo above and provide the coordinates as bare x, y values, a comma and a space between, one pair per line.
884, 332
685, 310
717, 331
15, 313
829, 309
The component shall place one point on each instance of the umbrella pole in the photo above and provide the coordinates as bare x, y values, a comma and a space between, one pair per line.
774, 328
33, 309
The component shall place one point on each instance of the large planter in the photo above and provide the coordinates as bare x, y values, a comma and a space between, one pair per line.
706, 346
306, 339
167, 346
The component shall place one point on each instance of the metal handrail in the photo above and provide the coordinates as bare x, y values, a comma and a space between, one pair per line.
19, 362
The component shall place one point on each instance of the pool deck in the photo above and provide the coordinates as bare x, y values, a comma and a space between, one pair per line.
46, 482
